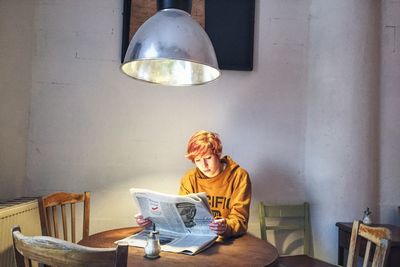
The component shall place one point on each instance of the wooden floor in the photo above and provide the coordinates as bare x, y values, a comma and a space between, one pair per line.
302, 261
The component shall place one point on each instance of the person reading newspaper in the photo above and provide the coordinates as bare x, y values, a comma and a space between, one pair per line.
226, 184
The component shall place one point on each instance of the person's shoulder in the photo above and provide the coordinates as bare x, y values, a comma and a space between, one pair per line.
235, 167
189, 175
242, 175
243, 172
238, 175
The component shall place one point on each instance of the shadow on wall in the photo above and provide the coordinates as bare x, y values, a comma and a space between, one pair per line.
287, 242
275, 184
263, 130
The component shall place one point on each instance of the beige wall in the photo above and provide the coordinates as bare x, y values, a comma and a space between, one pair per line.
16, 36
307, 123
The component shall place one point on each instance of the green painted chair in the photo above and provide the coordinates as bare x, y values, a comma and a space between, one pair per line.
290, 218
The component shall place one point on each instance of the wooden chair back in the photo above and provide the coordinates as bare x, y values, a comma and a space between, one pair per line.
296, 216
52, 205
56, 252
376, 237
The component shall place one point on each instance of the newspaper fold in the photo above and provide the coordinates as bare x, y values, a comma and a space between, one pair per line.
182, 221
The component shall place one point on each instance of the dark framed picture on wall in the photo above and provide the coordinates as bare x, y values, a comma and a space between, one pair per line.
228, 23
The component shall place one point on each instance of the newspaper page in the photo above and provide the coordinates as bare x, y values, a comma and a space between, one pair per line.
182, 221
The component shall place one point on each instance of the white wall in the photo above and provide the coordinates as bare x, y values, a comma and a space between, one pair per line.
304, 122
16, 35
342, 118
389, 117
92, 128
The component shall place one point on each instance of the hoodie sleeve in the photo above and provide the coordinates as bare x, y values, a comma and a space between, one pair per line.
238, 217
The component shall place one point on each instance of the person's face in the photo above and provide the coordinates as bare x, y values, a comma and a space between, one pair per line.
209, 164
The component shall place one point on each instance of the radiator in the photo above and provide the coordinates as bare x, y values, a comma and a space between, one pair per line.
23, 212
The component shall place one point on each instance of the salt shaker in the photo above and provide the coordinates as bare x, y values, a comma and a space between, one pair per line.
367, 216
152, 248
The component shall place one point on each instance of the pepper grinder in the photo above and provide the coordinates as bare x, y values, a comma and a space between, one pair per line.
152, 248
367, 216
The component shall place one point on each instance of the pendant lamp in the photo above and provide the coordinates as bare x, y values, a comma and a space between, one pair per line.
171, 48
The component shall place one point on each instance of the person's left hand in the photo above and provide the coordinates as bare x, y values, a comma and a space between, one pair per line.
218, 226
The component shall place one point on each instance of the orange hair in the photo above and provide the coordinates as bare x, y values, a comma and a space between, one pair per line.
203, 142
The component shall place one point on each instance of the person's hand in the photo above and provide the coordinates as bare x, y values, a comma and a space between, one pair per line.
218, 226
142, 222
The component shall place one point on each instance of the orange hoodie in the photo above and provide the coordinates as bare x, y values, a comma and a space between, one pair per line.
228, 193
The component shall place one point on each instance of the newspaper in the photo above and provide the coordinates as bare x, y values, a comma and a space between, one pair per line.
182, 221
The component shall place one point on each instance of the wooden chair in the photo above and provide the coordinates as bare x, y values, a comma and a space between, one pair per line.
56, 252
49, 208
377, 237
290, 218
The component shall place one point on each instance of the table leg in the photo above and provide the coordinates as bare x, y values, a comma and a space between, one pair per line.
340, 255
340, 249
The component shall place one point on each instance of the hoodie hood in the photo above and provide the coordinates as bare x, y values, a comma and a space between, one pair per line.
225, 175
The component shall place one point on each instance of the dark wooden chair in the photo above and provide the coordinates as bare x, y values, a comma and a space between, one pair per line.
377, 238
290, 218
56, 252
50, 208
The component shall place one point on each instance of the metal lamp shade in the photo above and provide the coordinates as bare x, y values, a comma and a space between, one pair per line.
170, 48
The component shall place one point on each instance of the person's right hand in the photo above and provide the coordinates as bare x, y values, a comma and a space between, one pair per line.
142, 222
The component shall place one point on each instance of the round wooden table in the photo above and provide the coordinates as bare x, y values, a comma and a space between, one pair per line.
246, 250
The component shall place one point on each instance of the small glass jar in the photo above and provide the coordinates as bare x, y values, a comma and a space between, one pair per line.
152, 248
